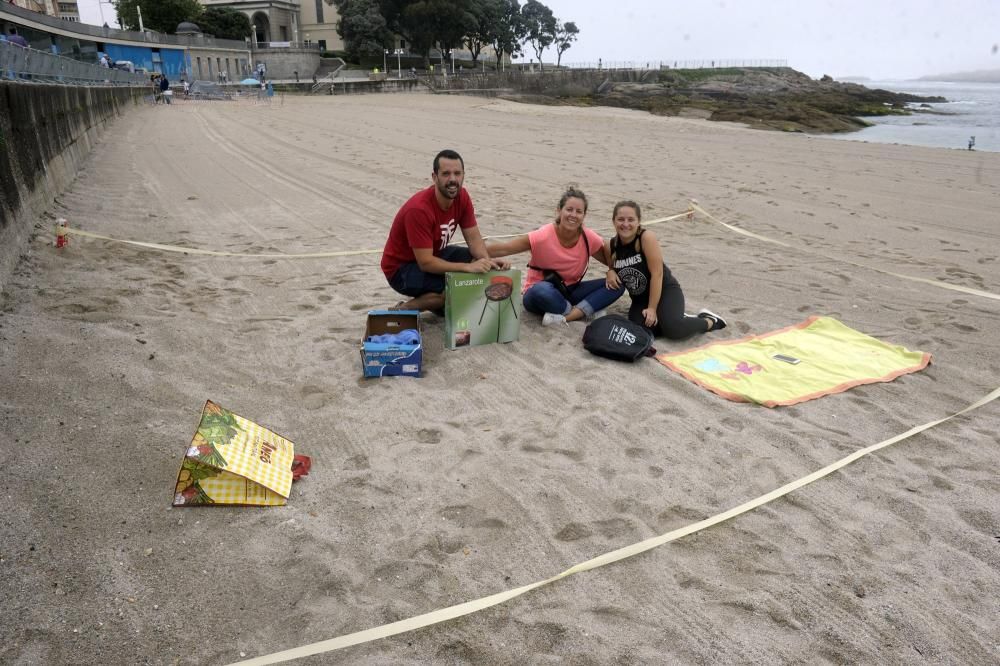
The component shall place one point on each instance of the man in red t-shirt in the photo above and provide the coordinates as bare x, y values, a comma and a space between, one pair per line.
417, 254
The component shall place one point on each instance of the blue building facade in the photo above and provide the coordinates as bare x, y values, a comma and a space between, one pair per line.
153, 52
172, 62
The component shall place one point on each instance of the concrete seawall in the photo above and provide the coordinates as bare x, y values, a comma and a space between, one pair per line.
46, 131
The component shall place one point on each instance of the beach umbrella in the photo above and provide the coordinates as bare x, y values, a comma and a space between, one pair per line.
250, 82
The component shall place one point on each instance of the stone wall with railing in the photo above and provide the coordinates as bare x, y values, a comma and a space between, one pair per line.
46, 132
100, 34
26, 64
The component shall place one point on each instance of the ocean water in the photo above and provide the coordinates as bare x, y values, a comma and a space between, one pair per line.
972, 109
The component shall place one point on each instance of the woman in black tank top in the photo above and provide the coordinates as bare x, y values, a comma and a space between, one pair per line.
657, 299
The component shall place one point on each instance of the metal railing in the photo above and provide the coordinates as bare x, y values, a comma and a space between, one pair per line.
25, 64
19, 15
662, 64
286, 45
326, 83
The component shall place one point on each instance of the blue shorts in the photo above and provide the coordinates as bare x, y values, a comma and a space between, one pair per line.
410, 281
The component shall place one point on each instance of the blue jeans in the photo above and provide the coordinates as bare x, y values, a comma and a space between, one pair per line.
410, 281
588, 295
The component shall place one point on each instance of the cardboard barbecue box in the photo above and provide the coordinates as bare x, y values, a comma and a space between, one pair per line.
383, 357
482, 308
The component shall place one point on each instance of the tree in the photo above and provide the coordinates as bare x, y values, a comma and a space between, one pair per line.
565, 36
415, 25
425, 23
159, 15
482, 33
455, 21
539, 27
509, 30
362, 27
224, 23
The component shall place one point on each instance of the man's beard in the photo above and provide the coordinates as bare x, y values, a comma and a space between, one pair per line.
443, 189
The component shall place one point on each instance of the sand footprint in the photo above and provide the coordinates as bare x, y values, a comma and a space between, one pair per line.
313, 397
573, 532
429, 436
357, 462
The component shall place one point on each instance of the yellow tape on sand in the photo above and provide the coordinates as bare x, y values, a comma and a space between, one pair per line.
213, 253
468, 607
693, 207
936, 283
309, 255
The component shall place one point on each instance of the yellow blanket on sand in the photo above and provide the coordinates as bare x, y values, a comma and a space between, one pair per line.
831, 358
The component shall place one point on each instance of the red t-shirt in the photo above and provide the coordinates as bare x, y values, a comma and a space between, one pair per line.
421, 223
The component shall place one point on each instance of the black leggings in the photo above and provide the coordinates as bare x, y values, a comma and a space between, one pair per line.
670, 320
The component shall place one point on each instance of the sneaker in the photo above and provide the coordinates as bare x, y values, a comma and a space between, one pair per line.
718, 323
550, 318
599, 314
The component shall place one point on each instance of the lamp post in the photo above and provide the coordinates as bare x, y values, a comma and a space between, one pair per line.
385, 54
100, 8
399, 65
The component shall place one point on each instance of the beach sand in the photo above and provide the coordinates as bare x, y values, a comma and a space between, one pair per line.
504, 464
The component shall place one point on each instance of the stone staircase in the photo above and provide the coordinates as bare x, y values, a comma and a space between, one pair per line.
328, 70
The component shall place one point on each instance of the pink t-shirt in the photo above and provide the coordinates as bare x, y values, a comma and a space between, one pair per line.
570, 262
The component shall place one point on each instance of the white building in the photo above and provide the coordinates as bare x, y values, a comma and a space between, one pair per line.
294, 21
64, 9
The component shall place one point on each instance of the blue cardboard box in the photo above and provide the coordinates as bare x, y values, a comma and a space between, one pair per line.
387, 359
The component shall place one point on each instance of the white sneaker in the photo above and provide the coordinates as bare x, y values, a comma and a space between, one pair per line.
599, 314
550, 318
718, 323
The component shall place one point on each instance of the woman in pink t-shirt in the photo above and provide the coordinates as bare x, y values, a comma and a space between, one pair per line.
560, 254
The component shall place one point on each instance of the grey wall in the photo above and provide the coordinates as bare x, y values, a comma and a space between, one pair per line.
46, 131
282, 63
218, 57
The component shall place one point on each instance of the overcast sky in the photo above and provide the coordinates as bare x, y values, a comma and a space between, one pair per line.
92, 11
875, 38
880, 39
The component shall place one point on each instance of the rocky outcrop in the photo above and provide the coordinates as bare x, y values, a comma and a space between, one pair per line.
777, 99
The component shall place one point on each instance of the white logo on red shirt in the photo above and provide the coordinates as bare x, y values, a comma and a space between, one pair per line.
447, 231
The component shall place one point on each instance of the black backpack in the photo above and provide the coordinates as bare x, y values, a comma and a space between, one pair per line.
616, 337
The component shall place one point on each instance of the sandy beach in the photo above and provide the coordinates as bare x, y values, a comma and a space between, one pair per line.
504, 464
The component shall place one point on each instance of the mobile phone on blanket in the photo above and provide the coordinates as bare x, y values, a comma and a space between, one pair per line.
786, 358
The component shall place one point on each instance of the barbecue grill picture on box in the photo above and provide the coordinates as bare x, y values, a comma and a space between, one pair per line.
481, 308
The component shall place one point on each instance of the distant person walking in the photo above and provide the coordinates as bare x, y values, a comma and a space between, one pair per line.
165, 89
972, 142
15, 38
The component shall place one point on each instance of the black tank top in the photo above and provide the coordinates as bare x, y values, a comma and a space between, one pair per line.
631, 266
